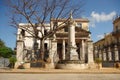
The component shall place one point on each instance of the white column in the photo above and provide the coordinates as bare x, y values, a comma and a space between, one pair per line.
90, 51
95, 52
53, 54
19, 55
20, 51
72, 35
109, 54
72, 53
80, 50
104, 55
100, 54
63, 50
83, 50
116, 53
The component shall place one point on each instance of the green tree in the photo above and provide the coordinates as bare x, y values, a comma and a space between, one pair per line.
2, 43
12, 61
5, 52
98, 61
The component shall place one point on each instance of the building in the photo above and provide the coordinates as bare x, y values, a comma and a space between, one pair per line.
108, 48
56, 47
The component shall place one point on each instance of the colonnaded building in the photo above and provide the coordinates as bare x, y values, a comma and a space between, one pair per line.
57, 48
108, 48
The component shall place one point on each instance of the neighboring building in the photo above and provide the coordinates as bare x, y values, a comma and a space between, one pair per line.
55, 49
108, 48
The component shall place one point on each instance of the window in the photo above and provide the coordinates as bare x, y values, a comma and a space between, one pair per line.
66, 29
79, 25
45, 32
23, 32
55, 25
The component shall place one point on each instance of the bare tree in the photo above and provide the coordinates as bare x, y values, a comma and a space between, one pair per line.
40, 12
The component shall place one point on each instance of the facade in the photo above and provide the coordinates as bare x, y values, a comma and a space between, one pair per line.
56, 47
108, 48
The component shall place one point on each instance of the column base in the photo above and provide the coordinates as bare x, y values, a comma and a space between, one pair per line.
73, 54
17, 64
72, 65
20, 65
49, 66
74, 57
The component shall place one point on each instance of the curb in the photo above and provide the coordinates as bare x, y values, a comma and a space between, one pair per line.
59, 72
53, 71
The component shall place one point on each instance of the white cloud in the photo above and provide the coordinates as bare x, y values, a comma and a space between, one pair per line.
92, 22
103, 17
100, 36
100, 17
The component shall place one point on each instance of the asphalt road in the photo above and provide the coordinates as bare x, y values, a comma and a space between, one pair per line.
9, 76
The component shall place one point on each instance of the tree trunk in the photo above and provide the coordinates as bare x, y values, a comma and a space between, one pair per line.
42, 49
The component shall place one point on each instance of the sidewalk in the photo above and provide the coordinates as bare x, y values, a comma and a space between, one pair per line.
47, 71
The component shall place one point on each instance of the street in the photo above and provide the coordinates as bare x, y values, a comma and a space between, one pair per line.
17, 76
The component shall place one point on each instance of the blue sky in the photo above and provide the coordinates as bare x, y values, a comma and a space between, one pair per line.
99, 12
